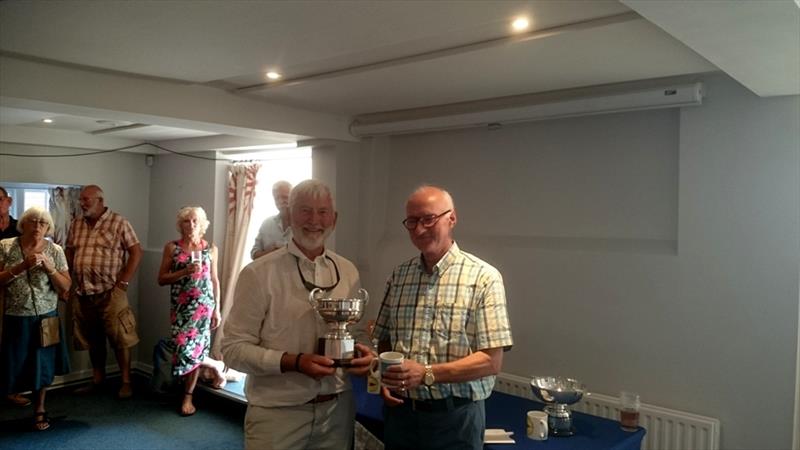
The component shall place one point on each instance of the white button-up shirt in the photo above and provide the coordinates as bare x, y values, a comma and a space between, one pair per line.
271, 315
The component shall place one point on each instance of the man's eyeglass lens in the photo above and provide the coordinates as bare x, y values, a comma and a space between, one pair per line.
426, 221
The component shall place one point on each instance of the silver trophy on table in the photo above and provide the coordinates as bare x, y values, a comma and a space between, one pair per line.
558, 393
338, 344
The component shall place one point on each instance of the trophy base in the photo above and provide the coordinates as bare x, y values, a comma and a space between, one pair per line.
341, 351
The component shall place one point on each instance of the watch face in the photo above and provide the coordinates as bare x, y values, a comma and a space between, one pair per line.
428, 380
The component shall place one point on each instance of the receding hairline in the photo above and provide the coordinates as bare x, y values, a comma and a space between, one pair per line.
95, 189
423, 189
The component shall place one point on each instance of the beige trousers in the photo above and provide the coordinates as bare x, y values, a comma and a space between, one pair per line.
318, 426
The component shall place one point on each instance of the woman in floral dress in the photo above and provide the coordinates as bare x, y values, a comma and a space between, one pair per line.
189, 265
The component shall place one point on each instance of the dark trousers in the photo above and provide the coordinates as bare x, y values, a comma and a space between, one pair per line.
460, 428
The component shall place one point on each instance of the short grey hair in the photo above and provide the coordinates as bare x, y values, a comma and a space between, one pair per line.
202, 219
37, 212
280, 184
426, 187
97, 189
313, 189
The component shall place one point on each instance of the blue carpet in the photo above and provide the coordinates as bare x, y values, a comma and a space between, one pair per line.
146, 421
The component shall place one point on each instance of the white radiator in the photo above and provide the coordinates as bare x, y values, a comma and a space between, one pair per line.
667, 429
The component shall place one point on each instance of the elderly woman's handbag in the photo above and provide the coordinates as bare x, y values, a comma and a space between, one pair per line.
49, 331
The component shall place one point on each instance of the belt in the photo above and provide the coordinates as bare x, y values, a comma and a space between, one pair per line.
445, 404
323, 398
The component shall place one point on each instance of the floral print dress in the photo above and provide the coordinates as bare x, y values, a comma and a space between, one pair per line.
191, 308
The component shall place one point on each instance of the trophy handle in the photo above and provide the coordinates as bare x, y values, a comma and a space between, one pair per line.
312, 297
364, 295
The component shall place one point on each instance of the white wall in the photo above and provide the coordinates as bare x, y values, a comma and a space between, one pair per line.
176, 181
125, 180
653, 251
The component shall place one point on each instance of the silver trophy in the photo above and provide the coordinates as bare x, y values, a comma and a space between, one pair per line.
338, 344
558, 393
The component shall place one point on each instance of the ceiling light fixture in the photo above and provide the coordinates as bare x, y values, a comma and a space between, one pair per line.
520, 24
274, 75
47, 120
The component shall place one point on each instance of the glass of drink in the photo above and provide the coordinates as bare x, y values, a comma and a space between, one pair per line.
196, 257
629, 410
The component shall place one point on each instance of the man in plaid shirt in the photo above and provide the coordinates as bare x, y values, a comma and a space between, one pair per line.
96, 250
445, 310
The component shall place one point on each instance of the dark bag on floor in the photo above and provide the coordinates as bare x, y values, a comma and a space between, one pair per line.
49, 331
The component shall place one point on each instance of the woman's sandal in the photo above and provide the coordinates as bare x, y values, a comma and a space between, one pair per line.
180, 410
43, 423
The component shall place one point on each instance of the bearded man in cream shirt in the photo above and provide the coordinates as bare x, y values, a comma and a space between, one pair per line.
296, 398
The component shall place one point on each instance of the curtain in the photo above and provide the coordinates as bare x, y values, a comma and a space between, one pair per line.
241, 192
64, 206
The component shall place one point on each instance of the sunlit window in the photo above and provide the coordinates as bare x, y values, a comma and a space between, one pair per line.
292, 165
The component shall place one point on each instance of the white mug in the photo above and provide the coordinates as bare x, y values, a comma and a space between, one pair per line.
537, 425
377, 366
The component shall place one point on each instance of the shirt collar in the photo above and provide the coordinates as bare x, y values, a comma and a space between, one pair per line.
447, 260
295, 250
102, 217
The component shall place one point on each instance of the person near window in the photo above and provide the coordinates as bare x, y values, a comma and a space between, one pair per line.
97, 247
275, 231
296, 397
189, 266
33, 274
445, 311
8, 226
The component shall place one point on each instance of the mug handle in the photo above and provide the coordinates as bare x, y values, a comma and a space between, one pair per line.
374, 365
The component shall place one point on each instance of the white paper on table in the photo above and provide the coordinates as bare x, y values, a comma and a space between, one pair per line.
498, 436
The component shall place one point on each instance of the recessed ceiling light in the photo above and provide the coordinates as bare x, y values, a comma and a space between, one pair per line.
47, 120
274, 75
520, 24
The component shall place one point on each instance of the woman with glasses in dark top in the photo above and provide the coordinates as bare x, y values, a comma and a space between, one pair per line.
33, 275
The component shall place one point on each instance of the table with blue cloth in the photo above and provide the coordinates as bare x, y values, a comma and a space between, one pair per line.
509, 412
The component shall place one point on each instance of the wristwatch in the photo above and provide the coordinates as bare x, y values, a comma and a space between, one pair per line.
428, 379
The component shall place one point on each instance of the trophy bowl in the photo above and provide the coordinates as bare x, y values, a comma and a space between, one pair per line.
338, 344
347, 310
558, 393
565, 391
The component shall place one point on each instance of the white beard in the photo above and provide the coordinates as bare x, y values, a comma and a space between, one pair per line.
312, 242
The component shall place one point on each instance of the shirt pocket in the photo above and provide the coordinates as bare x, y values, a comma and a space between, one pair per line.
104, 243
450, 323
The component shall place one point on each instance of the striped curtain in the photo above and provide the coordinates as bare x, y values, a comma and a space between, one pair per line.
64, 206
241, 192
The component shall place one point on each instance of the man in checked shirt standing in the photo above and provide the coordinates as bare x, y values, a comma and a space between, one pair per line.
445, 310
96, 251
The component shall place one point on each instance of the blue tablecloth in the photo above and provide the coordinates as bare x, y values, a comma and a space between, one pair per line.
509, 412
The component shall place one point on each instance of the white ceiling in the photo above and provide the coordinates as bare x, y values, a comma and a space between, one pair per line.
348, 58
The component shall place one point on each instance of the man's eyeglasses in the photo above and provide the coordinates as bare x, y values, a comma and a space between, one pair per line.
311, 286
426, 221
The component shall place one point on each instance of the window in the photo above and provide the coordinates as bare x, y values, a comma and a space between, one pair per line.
292, 165
26, 195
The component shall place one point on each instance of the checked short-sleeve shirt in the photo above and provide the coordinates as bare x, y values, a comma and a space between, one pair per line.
99, 251
457, 310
